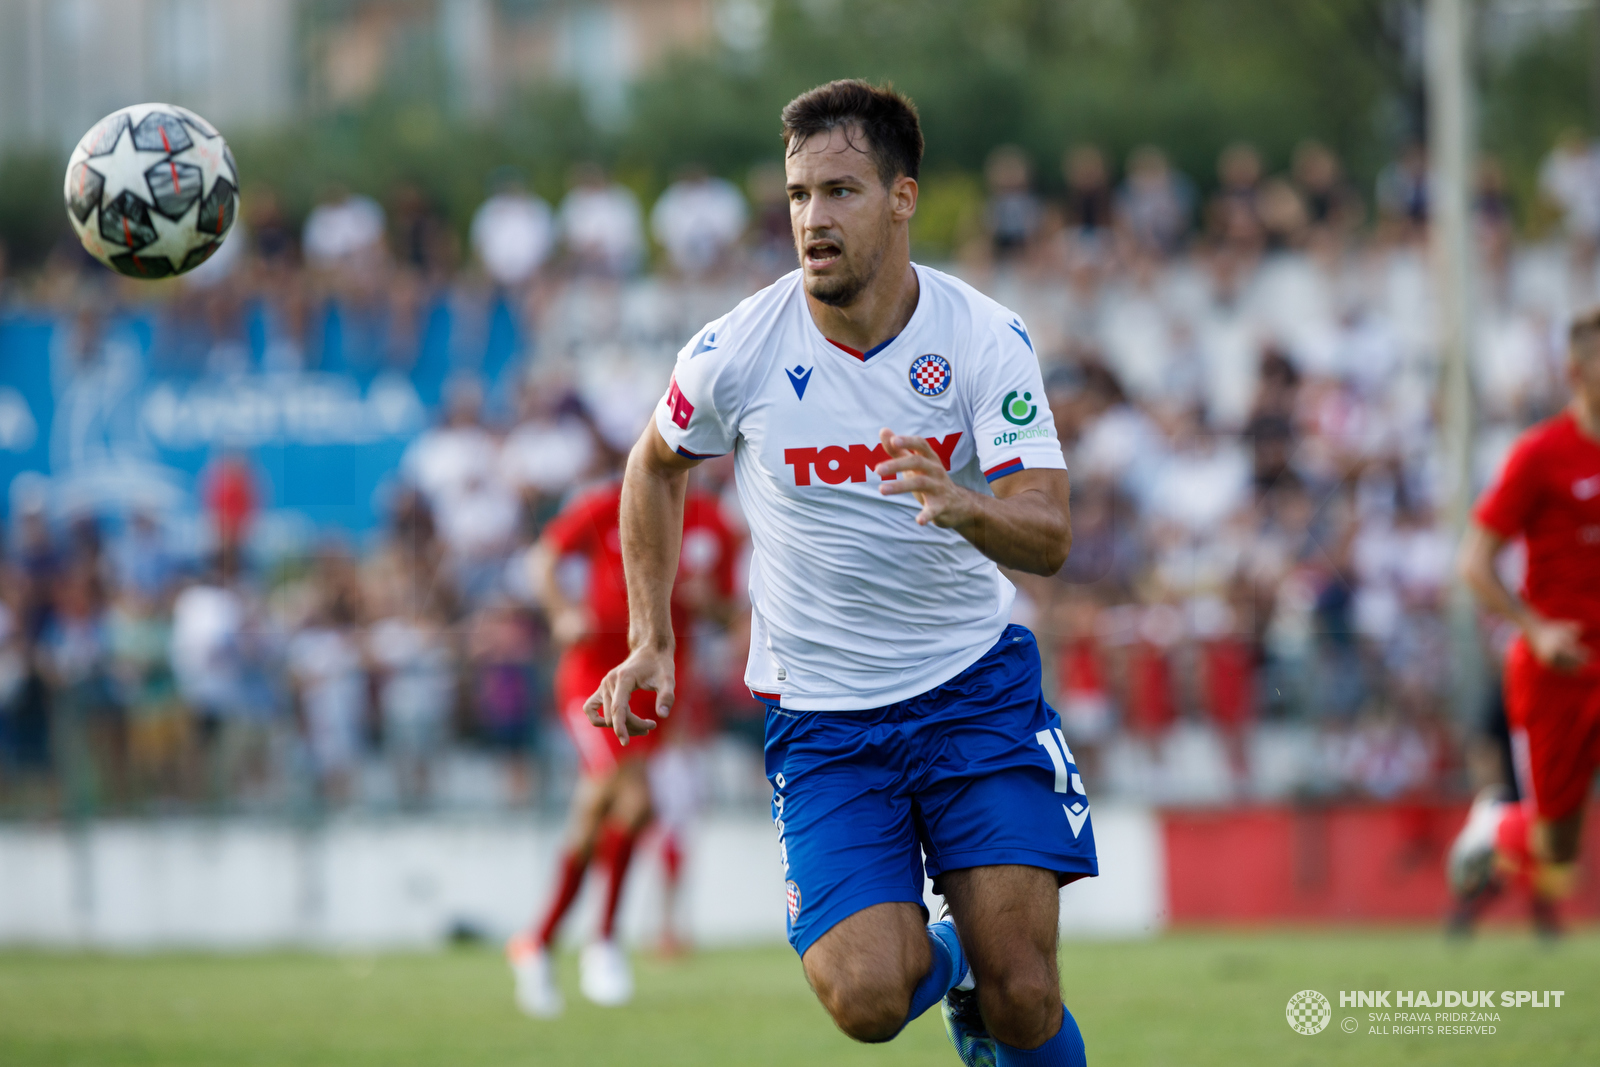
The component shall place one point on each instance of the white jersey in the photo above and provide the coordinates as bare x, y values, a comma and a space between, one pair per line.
854, 605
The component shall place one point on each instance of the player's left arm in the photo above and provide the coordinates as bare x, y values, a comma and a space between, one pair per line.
1026, 525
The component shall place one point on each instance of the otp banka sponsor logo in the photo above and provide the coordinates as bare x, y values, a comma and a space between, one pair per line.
836, 464
1017, 410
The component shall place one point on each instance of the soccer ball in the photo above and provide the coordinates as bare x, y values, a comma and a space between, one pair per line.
152, 190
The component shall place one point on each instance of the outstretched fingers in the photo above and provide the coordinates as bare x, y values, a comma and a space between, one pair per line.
610, 705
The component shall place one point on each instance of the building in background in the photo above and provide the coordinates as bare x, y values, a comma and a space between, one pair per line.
250, 64
66, 63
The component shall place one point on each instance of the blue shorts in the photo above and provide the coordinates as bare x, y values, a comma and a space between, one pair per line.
971, 774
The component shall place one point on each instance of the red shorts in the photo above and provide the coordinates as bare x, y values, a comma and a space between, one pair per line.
578, 675
1555, 731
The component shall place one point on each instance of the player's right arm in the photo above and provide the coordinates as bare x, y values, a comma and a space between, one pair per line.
696, 419
653, 491
1556, 643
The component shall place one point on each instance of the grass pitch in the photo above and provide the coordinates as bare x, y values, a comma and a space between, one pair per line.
1185, 999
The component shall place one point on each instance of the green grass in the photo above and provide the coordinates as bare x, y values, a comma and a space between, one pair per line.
1189, 999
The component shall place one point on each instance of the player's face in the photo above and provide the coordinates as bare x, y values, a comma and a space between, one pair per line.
844, 217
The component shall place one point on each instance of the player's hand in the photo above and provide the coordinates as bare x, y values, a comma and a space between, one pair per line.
643, 669
915, 469
1557, 643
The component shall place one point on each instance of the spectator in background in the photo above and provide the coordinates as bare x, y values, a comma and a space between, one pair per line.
141, 560
87, 724
698, 219
1329, 200
553, 449
36, 564
211, 649
1089, 200
327, 668
501, 648
1014, 213
421, 238
457, 466
1570, 177
408, 564
271, 237
1234, 214
601, 225
344, 231
512, 231
1402, 193
228, 486
444, 460
771, 232
410, 648
139, 635
1154, 203
1282, 216
479, 528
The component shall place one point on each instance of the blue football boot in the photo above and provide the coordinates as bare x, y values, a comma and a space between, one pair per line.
962, 1022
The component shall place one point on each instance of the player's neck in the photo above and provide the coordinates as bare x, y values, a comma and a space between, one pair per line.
878, 314
1587, 415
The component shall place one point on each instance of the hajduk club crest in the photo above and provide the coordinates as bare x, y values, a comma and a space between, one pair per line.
930, 374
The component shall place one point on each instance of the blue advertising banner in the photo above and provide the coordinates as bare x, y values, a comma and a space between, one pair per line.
106, 425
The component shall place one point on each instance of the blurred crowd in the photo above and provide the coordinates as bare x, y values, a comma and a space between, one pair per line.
1244, 383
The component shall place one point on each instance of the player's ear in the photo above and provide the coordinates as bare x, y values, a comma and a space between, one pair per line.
903, 198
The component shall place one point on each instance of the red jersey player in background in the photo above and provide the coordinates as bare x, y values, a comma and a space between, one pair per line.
612, 804
1548, 495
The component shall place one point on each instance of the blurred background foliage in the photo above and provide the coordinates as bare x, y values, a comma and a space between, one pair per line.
1188, 75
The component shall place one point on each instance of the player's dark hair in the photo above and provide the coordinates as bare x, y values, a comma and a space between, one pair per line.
887, 119
1585, 330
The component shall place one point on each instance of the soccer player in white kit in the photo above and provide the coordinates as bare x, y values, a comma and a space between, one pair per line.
892, 446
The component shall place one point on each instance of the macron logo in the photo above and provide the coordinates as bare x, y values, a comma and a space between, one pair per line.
1017, 328
836, 464
682, 410
707, 343
799, 380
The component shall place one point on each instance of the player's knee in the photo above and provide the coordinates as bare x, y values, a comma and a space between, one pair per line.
864, 1009
1020, 1006
868, 1021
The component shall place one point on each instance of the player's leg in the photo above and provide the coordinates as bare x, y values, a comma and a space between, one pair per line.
852, 865
1008, 917
1001, 799
1555, 748
882, 967
627, 815
604, 974
528, 953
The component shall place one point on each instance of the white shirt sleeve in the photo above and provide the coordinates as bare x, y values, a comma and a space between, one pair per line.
1012, 426
699, 416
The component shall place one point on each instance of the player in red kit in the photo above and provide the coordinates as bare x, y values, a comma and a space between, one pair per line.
1547, 495
612, 804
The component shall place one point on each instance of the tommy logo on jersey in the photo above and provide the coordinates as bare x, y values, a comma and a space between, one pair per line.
930, 374
800, 377
836, 464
